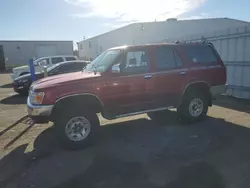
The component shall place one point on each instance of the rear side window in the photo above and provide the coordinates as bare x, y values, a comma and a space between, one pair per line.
65, 68
78, 66
166, 58
201, 54
70, 58
56, 60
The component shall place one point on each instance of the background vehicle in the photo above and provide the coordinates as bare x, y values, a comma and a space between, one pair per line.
21, 84
40, 63
126, 81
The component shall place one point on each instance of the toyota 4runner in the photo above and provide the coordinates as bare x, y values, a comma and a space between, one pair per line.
126, 81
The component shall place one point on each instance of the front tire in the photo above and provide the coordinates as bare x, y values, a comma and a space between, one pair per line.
77, 129
194, 107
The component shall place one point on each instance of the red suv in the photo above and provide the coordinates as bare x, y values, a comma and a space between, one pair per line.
126, 81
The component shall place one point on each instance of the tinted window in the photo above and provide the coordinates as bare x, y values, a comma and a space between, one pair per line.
136, 62
78, 66
201, 54
65, 68
166, 58
70, 67
56, 60
70, 58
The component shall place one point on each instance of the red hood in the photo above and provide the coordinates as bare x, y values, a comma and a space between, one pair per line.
52, 81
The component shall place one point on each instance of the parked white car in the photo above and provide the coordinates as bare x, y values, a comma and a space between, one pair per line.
40, 63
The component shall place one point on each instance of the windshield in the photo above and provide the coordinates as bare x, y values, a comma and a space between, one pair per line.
103, 61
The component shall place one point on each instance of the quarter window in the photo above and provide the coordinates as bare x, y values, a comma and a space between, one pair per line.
201, 54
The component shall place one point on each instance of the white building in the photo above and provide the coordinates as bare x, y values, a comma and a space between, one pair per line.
139, 33
13, 53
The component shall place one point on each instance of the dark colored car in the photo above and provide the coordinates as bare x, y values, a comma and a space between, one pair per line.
21, 84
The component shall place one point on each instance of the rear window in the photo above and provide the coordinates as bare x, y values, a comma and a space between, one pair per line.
201, 54
70, 58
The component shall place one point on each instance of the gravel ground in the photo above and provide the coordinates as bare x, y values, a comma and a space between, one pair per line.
131, 153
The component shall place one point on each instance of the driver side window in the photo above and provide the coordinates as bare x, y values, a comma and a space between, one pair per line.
136, 61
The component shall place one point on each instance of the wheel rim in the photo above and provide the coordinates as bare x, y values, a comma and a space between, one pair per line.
77, 129
196, 107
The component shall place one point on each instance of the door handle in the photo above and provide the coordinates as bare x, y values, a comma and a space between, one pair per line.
148, 76
183, 73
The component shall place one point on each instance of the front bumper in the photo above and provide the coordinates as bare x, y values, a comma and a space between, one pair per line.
39, 113
21, 87
17, 86
13, 76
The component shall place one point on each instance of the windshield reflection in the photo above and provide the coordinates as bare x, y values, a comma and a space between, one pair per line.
103, 61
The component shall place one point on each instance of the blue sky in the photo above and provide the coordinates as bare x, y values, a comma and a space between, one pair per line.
74, 19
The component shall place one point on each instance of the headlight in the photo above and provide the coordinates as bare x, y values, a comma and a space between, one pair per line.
36, 97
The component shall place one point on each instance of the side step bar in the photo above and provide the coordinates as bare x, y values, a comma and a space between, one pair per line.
143, 112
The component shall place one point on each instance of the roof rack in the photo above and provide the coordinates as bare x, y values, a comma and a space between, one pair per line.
202, 41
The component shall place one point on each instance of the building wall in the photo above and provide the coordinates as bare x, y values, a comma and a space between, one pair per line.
92, 47
19, 52
150, 32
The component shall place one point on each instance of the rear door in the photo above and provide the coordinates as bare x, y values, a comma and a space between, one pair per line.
168, 77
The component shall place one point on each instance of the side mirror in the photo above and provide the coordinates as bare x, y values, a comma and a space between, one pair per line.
116, 68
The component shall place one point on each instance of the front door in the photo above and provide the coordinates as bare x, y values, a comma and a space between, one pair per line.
168, 77
126, 91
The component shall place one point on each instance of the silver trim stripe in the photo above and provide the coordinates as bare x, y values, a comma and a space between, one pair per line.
172, 71
143, 112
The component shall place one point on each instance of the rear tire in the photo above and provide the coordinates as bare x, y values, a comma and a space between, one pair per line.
194, 107
77, 129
